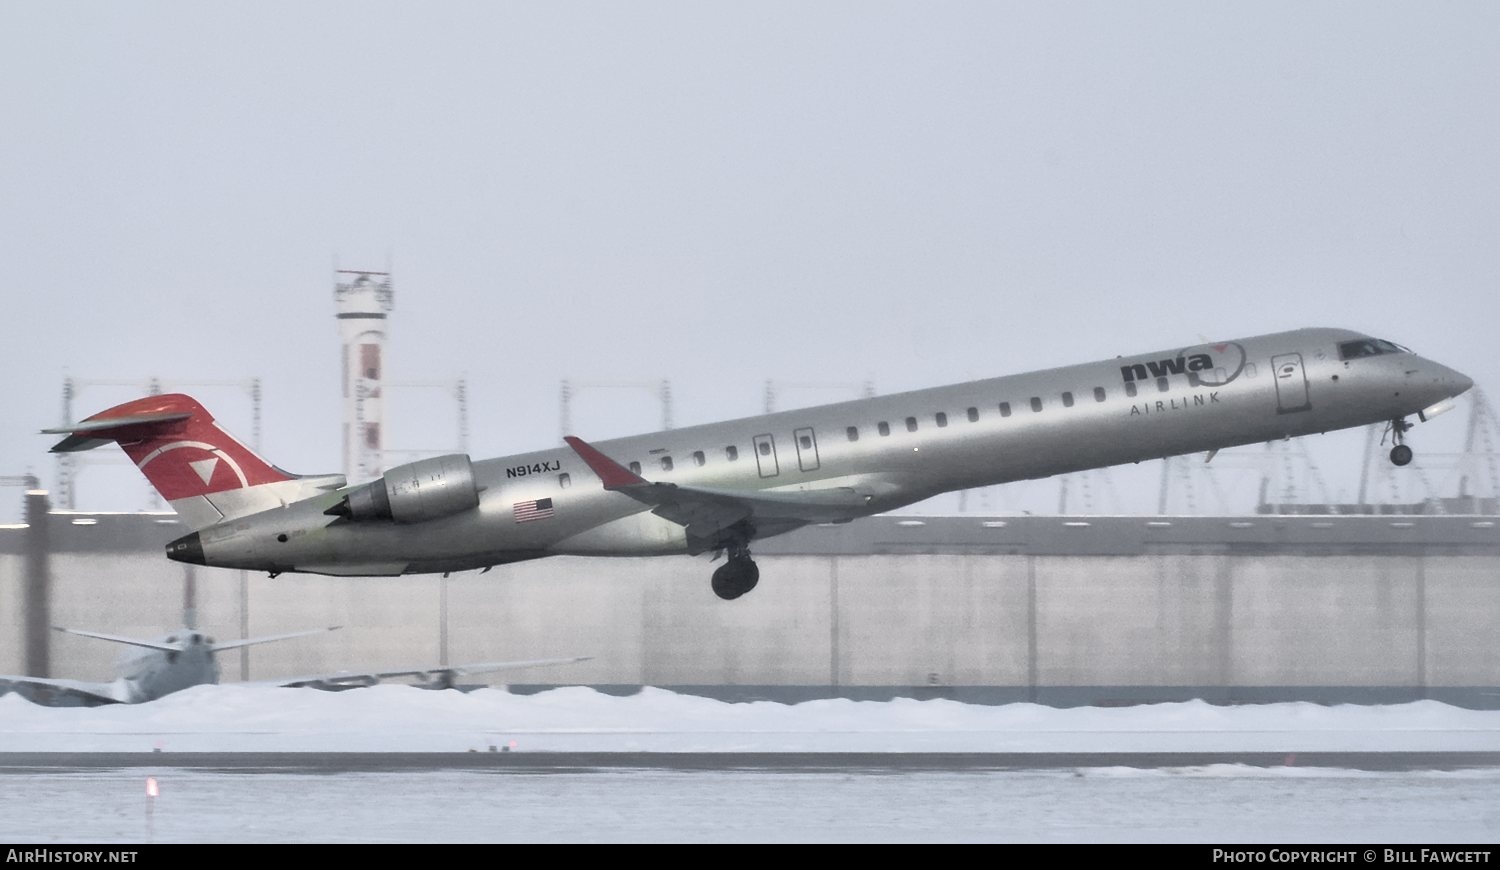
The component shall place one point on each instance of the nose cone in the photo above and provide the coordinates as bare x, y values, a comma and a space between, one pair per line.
188, 548
1457, 381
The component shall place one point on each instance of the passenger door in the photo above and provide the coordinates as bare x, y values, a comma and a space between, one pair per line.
765, 455
1291, 384
807, 449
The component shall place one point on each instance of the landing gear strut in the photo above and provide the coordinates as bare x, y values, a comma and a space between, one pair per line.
1400, 454
737, 576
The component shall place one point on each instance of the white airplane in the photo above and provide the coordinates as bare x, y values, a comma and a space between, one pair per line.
716, 488
187, 657
150, 670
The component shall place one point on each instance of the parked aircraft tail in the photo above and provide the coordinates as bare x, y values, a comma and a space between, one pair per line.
202, 471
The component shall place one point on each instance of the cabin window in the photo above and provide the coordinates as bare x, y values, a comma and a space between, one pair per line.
635, 468
765, 448
853, 433
1162, 385
1098, 394
941, 418
666, 463
1036, 403
973, 415
1130, 389
731, 453
1005, 409
805, 441
699, 458
564, 480
1067, 400
883, 428
911, 424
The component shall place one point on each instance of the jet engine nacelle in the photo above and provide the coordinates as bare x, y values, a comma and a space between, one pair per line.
416, 492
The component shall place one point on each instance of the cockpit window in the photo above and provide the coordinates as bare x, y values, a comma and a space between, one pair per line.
1368, 347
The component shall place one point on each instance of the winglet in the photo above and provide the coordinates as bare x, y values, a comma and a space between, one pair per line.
613, 474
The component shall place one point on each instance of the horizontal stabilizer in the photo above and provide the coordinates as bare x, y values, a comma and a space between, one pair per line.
90, 434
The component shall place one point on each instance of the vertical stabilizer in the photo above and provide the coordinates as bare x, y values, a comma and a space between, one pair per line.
202, 471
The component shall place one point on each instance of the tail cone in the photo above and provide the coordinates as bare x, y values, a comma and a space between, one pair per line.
188, 548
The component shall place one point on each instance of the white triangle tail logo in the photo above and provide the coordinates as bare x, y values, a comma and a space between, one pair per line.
205, 468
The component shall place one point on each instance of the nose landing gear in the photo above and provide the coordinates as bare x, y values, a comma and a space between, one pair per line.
1400, 454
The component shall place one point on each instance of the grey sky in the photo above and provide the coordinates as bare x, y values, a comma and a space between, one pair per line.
721, 193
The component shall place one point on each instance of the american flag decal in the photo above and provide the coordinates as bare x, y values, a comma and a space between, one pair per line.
526, 511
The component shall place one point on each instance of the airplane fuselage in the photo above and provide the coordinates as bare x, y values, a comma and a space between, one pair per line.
892, 450
149, 674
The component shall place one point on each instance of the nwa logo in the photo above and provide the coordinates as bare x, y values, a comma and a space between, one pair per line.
1202, 369
1198, 362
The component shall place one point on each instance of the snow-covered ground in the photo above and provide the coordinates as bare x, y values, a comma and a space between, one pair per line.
1209, 803
231, 718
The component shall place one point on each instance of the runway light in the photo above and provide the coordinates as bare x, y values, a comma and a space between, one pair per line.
151, 788
85, 521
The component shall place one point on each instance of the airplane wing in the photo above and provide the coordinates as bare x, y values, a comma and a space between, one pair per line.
60, 693
114, 638
436, 677
707, 513
177, 647
251, 641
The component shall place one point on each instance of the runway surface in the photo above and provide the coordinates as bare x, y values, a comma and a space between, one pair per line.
1212, 804
792, 762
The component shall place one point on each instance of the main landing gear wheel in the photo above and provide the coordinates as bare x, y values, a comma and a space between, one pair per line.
736, 577
1400, 455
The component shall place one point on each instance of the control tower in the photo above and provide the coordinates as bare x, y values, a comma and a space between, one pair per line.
363, 299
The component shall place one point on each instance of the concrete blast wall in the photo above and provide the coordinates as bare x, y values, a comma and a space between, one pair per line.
1253, 624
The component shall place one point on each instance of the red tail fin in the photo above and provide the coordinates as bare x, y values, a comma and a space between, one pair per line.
174, 441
